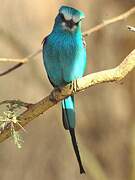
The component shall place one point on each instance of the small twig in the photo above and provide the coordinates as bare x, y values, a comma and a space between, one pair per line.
85, 34
21, 62
11, 69
130, 28
110, 75
21, 126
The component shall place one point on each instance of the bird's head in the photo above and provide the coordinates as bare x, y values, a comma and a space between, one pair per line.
69, 19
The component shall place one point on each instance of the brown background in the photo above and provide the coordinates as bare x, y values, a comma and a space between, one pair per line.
105, 113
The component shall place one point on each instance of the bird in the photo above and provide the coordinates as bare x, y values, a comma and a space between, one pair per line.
64, 59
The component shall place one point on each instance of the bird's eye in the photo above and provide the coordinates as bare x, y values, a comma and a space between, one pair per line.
62, 16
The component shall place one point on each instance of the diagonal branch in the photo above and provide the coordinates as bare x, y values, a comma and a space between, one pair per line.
85, 34
21, 62
11, 69
110, 21
34, 110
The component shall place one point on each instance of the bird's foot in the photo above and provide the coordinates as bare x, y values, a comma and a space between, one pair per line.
74, 85
53, 95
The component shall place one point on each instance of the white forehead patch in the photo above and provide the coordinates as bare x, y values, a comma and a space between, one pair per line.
76, 19
67, 15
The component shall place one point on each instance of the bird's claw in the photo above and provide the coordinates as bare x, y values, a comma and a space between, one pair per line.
53, 95
74, 85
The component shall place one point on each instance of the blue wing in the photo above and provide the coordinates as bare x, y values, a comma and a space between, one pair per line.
44, 44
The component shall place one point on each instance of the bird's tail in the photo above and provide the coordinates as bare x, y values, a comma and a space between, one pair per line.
68, 113
68, 117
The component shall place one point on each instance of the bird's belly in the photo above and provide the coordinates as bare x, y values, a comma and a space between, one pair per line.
74, 66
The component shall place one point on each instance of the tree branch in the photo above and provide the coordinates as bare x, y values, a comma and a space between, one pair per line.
34, 110
85, 34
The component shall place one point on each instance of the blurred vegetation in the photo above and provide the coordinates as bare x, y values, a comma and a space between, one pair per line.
105, 113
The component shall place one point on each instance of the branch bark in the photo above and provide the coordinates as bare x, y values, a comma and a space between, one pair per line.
16, 102
34, 110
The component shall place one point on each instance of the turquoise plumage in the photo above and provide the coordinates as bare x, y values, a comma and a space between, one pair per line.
64, 57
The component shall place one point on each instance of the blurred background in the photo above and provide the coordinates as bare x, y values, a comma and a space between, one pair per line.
105, 113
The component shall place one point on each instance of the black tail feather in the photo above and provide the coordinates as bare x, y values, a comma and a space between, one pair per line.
74, 142
64, 119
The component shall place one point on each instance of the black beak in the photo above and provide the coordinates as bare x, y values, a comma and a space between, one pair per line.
70, 23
